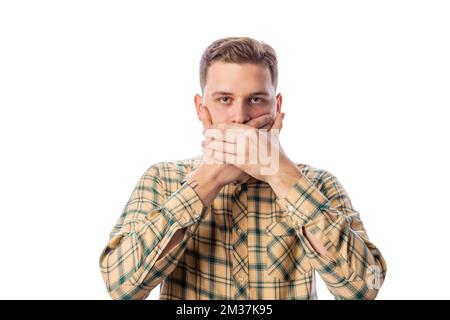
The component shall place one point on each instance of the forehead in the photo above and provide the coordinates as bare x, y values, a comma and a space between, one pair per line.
237, 78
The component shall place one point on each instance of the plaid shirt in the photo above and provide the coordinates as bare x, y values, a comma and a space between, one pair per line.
248, 244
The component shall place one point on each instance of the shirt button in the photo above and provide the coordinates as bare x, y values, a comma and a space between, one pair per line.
290, 208
152, 214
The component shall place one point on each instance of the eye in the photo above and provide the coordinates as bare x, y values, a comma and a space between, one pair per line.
224, 99
256, 100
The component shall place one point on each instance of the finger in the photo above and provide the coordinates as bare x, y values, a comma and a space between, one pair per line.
268, 126
221, 128
218, 146
259, 121
208, 155
236, 158
225, 158
229, 125
203, 117
278, 122
206, 142
215, 134
214, 157
206, 116
208, 139
208, 152
223, 146
208, 159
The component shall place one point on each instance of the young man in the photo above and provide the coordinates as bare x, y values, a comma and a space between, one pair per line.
218, 227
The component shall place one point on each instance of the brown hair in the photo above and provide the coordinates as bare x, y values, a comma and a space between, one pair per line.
239, 50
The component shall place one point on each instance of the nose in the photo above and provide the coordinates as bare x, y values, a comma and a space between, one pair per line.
240, 112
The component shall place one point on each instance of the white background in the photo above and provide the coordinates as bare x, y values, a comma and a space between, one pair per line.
94, 92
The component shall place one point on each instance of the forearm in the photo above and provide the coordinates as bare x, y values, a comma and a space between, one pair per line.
203, 182
333, 236
144, 236
285, 178
281, 184
352, 266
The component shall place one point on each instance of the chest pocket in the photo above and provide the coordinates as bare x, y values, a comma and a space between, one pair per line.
285, 256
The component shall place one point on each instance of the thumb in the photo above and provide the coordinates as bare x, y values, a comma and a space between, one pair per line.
278, 122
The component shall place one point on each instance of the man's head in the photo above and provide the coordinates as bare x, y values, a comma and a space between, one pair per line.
238, 79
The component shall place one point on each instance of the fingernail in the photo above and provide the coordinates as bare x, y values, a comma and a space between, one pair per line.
282, 115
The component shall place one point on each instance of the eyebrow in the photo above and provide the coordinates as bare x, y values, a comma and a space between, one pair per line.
224, 93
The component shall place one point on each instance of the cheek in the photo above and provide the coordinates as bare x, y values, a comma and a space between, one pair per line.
219, 116
257, 112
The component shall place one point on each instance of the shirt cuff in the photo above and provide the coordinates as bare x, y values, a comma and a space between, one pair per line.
303, 202
183, 206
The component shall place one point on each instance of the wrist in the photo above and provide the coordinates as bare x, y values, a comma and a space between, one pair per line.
287, 169
284, 180
204, 183
211, 175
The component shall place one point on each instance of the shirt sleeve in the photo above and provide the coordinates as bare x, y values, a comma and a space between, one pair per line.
129, 263
354, 268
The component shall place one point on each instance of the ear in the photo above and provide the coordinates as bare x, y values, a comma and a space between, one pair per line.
279, 102
198, 100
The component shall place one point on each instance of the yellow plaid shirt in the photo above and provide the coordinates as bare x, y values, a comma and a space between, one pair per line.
248, 244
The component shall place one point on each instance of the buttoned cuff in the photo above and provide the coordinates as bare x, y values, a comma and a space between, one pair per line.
303, 202
183, 206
